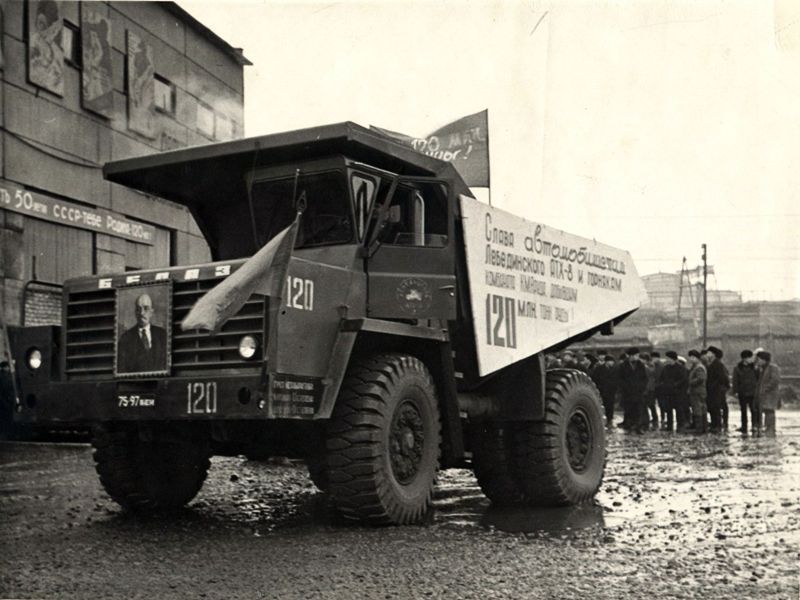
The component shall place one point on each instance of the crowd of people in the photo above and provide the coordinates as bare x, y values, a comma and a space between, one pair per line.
680, 394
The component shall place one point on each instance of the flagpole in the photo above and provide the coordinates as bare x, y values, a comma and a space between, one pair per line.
488, 159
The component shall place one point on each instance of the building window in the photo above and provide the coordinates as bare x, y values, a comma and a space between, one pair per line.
71, 44
205, 120
165, 95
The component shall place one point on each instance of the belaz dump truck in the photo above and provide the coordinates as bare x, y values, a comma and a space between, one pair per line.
363, 312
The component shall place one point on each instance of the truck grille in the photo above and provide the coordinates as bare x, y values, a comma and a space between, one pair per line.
90, 323
90, 333
197, 349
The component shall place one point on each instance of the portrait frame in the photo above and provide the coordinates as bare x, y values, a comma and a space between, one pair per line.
129, 361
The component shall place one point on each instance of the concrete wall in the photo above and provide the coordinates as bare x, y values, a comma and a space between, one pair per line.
53, 146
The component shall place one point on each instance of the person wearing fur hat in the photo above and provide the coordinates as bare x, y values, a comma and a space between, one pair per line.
674, 386
632, 385
658, 365
604, 376
766, 398
697, 392
650, 413
745, 379
717, 385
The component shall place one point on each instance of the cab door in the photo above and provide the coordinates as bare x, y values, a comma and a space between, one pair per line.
410, 264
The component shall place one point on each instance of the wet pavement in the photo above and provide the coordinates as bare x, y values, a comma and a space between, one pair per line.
678, 516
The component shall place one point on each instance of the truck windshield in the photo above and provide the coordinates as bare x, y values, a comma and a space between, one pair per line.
326, 220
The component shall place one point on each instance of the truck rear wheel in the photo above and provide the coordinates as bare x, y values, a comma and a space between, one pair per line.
492, 463
560, 460
383, 441
149, 475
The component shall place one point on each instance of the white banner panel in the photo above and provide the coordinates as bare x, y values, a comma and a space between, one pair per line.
533, 286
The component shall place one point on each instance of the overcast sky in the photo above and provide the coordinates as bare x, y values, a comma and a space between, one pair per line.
651, 126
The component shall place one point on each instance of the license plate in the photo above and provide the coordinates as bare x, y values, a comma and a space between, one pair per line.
136, 400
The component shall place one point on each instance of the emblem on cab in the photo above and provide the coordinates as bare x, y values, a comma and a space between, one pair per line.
414, 296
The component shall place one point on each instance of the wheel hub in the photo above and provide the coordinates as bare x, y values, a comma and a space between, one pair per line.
406, 440
579, 441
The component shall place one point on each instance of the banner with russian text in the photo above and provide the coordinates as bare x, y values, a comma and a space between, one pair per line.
464, 143
533, 286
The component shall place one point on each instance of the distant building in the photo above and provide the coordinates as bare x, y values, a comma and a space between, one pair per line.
84, 83
664, 294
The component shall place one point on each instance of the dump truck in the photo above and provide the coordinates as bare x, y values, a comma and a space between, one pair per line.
392, 326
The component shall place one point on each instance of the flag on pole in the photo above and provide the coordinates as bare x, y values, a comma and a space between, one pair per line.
464, 143
263, 273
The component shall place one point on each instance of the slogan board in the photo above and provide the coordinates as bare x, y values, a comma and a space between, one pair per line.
533, 286
16, 198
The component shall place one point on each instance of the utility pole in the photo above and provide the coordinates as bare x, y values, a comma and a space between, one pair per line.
705, 297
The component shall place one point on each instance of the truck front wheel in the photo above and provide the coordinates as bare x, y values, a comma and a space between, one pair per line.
560, 461
383, 441
164, 472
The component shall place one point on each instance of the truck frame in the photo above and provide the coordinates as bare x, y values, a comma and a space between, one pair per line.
404, 339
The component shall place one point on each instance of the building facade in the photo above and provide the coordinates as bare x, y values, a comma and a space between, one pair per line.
83, 83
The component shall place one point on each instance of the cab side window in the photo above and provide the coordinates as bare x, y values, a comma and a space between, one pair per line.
417, 216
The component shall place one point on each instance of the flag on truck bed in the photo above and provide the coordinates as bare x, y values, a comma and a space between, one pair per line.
464, 143
263, 273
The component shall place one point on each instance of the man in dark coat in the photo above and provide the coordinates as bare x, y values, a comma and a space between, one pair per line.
605, 378
143, 347
674, 385
658, 364
632, 386
650, 393
717, 385
745, 379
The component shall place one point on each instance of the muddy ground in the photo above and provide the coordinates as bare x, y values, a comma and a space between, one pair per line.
677, 517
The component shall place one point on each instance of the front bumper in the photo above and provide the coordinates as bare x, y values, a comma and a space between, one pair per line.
234, 397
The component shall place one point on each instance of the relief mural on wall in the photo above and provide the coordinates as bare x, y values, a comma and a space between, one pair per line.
141, 86
97, 84
45, 53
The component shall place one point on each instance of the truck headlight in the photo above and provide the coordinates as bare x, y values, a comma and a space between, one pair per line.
34, 359
248, 346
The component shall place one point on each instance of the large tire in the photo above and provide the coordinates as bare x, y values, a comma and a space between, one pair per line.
383, 441
561, 460
149, 475
492, 463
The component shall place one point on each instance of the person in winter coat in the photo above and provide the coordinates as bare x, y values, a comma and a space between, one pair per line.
605, 378
674, 385
717, 385
766, 398
632, 385
651, 420
697, 392
745, 379
658, 364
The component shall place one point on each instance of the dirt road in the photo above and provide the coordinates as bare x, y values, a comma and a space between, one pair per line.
678, 517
